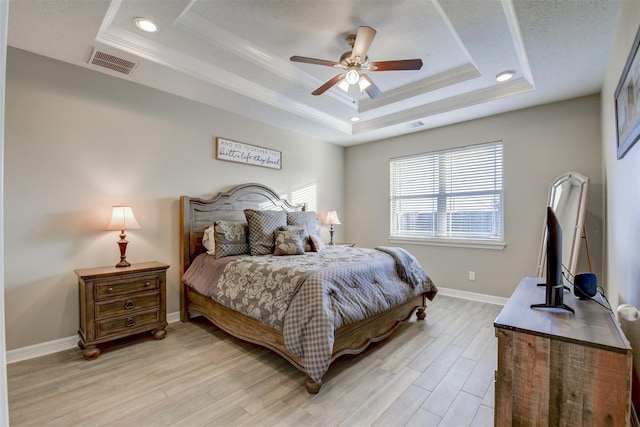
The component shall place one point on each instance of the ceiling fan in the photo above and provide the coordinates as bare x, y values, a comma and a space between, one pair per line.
355, 61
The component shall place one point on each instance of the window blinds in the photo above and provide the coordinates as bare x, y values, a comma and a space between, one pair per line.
451, 194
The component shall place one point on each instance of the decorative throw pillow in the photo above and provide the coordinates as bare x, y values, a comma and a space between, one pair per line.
230, 238
317, 244
293, 228
262, 225
308, 220
209, 241
289, 242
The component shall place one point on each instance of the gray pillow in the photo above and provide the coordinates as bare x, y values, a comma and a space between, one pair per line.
317, 244
230, 238
308, 220
262, 225
289, 242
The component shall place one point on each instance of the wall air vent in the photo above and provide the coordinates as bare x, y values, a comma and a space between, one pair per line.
112, 62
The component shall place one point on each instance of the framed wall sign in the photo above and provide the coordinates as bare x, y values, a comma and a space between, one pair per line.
239, 152
627, 97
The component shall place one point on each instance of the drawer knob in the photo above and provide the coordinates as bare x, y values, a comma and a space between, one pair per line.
147, 284
130, 322
129, 305
110, 290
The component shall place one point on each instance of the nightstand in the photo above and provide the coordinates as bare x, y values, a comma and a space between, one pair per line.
116, 302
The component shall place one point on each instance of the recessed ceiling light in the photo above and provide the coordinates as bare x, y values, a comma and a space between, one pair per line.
504, 76
146, 24
355, 119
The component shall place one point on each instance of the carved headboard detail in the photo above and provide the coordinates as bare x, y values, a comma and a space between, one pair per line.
198, 214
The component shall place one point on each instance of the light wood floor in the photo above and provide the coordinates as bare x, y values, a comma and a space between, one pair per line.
433, 373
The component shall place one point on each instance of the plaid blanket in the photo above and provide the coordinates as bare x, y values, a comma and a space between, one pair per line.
308, 297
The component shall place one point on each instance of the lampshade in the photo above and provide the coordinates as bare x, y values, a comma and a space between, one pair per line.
332, 218
122, 219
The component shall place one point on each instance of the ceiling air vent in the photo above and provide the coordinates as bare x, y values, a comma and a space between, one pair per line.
415, 124
112, 62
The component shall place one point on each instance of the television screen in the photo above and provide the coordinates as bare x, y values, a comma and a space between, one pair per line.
554, 286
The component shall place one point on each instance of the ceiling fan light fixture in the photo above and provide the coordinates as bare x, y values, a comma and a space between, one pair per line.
363, 84
344, 85
146, 24
353, 76
505, 76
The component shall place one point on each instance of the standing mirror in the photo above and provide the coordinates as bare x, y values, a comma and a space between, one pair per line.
567, 197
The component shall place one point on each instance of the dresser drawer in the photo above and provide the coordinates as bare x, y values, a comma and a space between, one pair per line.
126, 323
127, 285
131, 304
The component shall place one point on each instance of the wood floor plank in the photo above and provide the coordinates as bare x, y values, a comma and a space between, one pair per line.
483, 374
484, 338
462, 411
447, 390
403, 408
423, 418
229, 408
432, 372
484, 417
433, 351
374, 407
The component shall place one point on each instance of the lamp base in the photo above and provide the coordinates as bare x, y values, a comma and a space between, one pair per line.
122, 244
123, 263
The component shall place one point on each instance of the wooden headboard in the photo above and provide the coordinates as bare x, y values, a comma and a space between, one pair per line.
198, 214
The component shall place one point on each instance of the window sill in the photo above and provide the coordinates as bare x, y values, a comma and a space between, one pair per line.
457, 243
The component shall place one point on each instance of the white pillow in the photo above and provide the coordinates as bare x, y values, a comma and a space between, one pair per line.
209, 241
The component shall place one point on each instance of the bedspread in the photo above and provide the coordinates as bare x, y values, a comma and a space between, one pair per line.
308, 297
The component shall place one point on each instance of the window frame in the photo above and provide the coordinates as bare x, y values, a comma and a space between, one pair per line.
442, 197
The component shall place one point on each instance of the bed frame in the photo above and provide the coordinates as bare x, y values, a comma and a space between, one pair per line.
198, 214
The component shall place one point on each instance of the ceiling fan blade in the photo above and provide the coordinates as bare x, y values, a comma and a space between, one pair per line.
306, 60
403, 64
322, 89
361, 44
373, 91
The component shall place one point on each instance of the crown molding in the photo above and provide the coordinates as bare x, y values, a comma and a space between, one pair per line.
468, 99
438, 81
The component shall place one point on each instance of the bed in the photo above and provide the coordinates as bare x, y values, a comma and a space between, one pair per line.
197, 215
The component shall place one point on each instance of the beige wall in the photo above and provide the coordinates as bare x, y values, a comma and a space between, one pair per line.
78, 141
539, 145
622, 184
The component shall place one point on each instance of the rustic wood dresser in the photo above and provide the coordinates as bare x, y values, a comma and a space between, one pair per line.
558, 368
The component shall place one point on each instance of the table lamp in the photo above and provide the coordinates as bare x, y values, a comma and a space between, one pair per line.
122, 219
331, 218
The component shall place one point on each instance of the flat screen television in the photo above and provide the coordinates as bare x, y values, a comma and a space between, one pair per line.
554, 285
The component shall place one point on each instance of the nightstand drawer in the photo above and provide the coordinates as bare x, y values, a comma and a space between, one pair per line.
132, 304
127, 286
126, 323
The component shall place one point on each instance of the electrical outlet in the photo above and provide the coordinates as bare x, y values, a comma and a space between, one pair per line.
472, 275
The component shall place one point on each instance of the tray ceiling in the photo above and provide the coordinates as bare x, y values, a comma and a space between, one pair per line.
235, 55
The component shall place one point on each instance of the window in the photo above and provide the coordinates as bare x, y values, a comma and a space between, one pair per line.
451, 194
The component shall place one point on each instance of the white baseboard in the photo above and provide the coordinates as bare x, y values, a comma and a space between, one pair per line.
473, 296
67, 343
37, 350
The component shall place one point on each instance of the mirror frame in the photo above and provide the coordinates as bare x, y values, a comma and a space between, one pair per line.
575, 235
